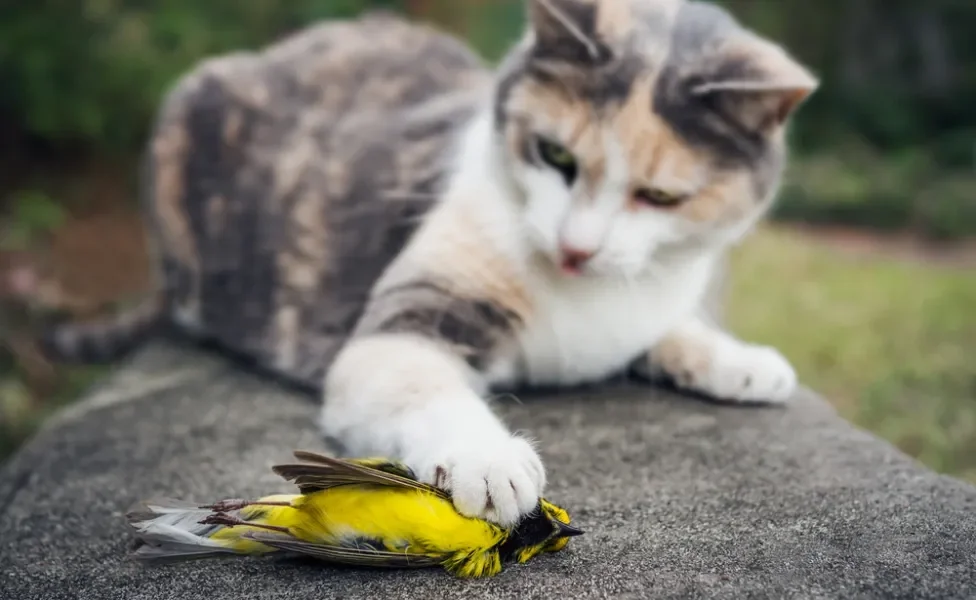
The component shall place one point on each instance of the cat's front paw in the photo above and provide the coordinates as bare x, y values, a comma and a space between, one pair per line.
499, 480
727, 369
748, 373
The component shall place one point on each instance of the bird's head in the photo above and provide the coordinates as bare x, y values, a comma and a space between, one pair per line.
545, 529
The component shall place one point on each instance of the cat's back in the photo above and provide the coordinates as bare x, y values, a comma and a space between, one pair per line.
280, 184
377, 61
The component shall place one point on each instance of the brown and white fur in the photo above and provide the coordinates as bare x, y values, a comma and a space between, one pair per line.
517, 273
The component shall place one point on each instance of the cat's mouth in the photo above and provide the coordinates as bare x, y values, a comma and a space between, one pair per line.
574, 262
572, 266
564, 266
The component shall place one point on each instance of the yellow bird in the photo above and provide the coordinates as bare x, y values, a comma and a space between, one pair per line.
364, 512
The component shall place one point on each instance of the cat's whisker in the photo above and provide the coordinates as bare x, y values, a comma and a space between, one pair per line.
506, 396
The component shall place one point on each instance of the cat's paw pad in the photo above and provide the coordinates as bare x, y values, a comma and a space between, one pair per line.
498, 481
746, 373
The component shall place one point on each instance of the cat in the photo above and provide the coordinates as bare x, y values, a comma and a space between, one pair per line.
368, 209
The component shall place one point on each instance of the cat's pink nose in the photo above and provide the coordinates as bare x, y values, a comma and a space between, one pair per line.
574, 258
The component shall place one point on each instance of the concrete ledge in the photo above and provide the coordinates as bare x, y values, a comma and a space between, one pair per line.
679, 498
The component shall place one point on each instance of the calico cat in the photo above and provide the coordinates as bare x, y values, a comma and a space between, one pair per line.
367, 209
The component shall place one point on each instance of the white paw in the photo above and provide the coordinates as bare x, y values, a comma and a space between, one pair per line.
498, 480
746, 373
739, 372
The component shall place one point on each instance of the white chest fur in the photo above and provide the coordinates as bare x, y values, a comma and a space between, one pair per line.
583, 329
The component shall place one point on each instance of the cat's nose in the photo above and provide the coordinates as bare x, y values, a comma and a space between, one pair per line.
574, 258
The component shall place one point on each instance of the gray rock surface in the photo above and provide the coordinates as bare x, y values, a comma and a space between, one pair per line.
679, 498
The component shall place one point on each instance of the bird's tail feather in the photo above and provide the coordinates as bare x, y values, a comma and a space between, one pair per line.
171, 529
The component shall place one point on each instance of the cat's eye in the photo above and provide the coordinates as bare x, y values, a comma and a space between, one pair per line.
559, 158
658, 198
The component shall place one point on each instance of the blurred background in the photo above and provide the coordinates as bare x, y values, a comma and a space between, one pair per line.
864, 275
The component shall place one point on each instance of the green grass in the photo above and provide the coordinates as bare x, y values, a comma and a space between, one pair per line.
890, 342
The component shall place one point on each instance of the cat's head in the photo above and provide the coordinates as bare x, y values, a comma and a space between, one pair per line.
635, 129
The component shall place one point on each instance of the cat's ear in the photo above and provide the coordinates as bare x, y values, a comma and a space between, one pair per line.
566, 29
758, 84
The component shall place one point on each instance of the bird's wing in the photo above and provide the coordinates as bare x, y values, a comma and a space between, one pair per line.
382, 464
366, 557
320, 472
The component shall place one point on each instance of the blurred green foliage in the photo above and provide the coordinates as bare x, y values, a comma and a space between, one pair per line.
31, 214
93, 71
859, 186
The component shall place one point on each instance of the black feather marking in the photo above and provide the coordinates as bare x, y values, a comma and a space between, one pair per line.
534, 528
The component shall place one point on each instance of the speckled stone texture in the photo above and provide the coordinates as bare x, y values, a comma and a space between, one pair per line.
679, 498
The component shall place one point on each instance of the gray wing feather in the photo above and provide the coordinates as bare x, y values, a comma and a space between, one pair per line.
323, 472
366, 557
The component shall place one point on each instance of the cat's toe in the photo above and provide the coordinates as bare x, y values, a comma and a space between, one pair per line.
498, 481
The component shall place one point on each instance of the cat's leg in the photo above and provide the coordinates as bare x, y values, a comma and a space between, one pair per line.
700, 357
409, 395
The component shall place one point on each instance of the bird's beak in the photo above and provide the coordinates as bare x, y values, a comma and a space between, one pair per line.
568, 530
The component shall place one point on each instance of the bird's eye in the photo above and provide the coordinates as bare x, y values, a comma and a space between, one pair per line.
658, 198
559, 158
